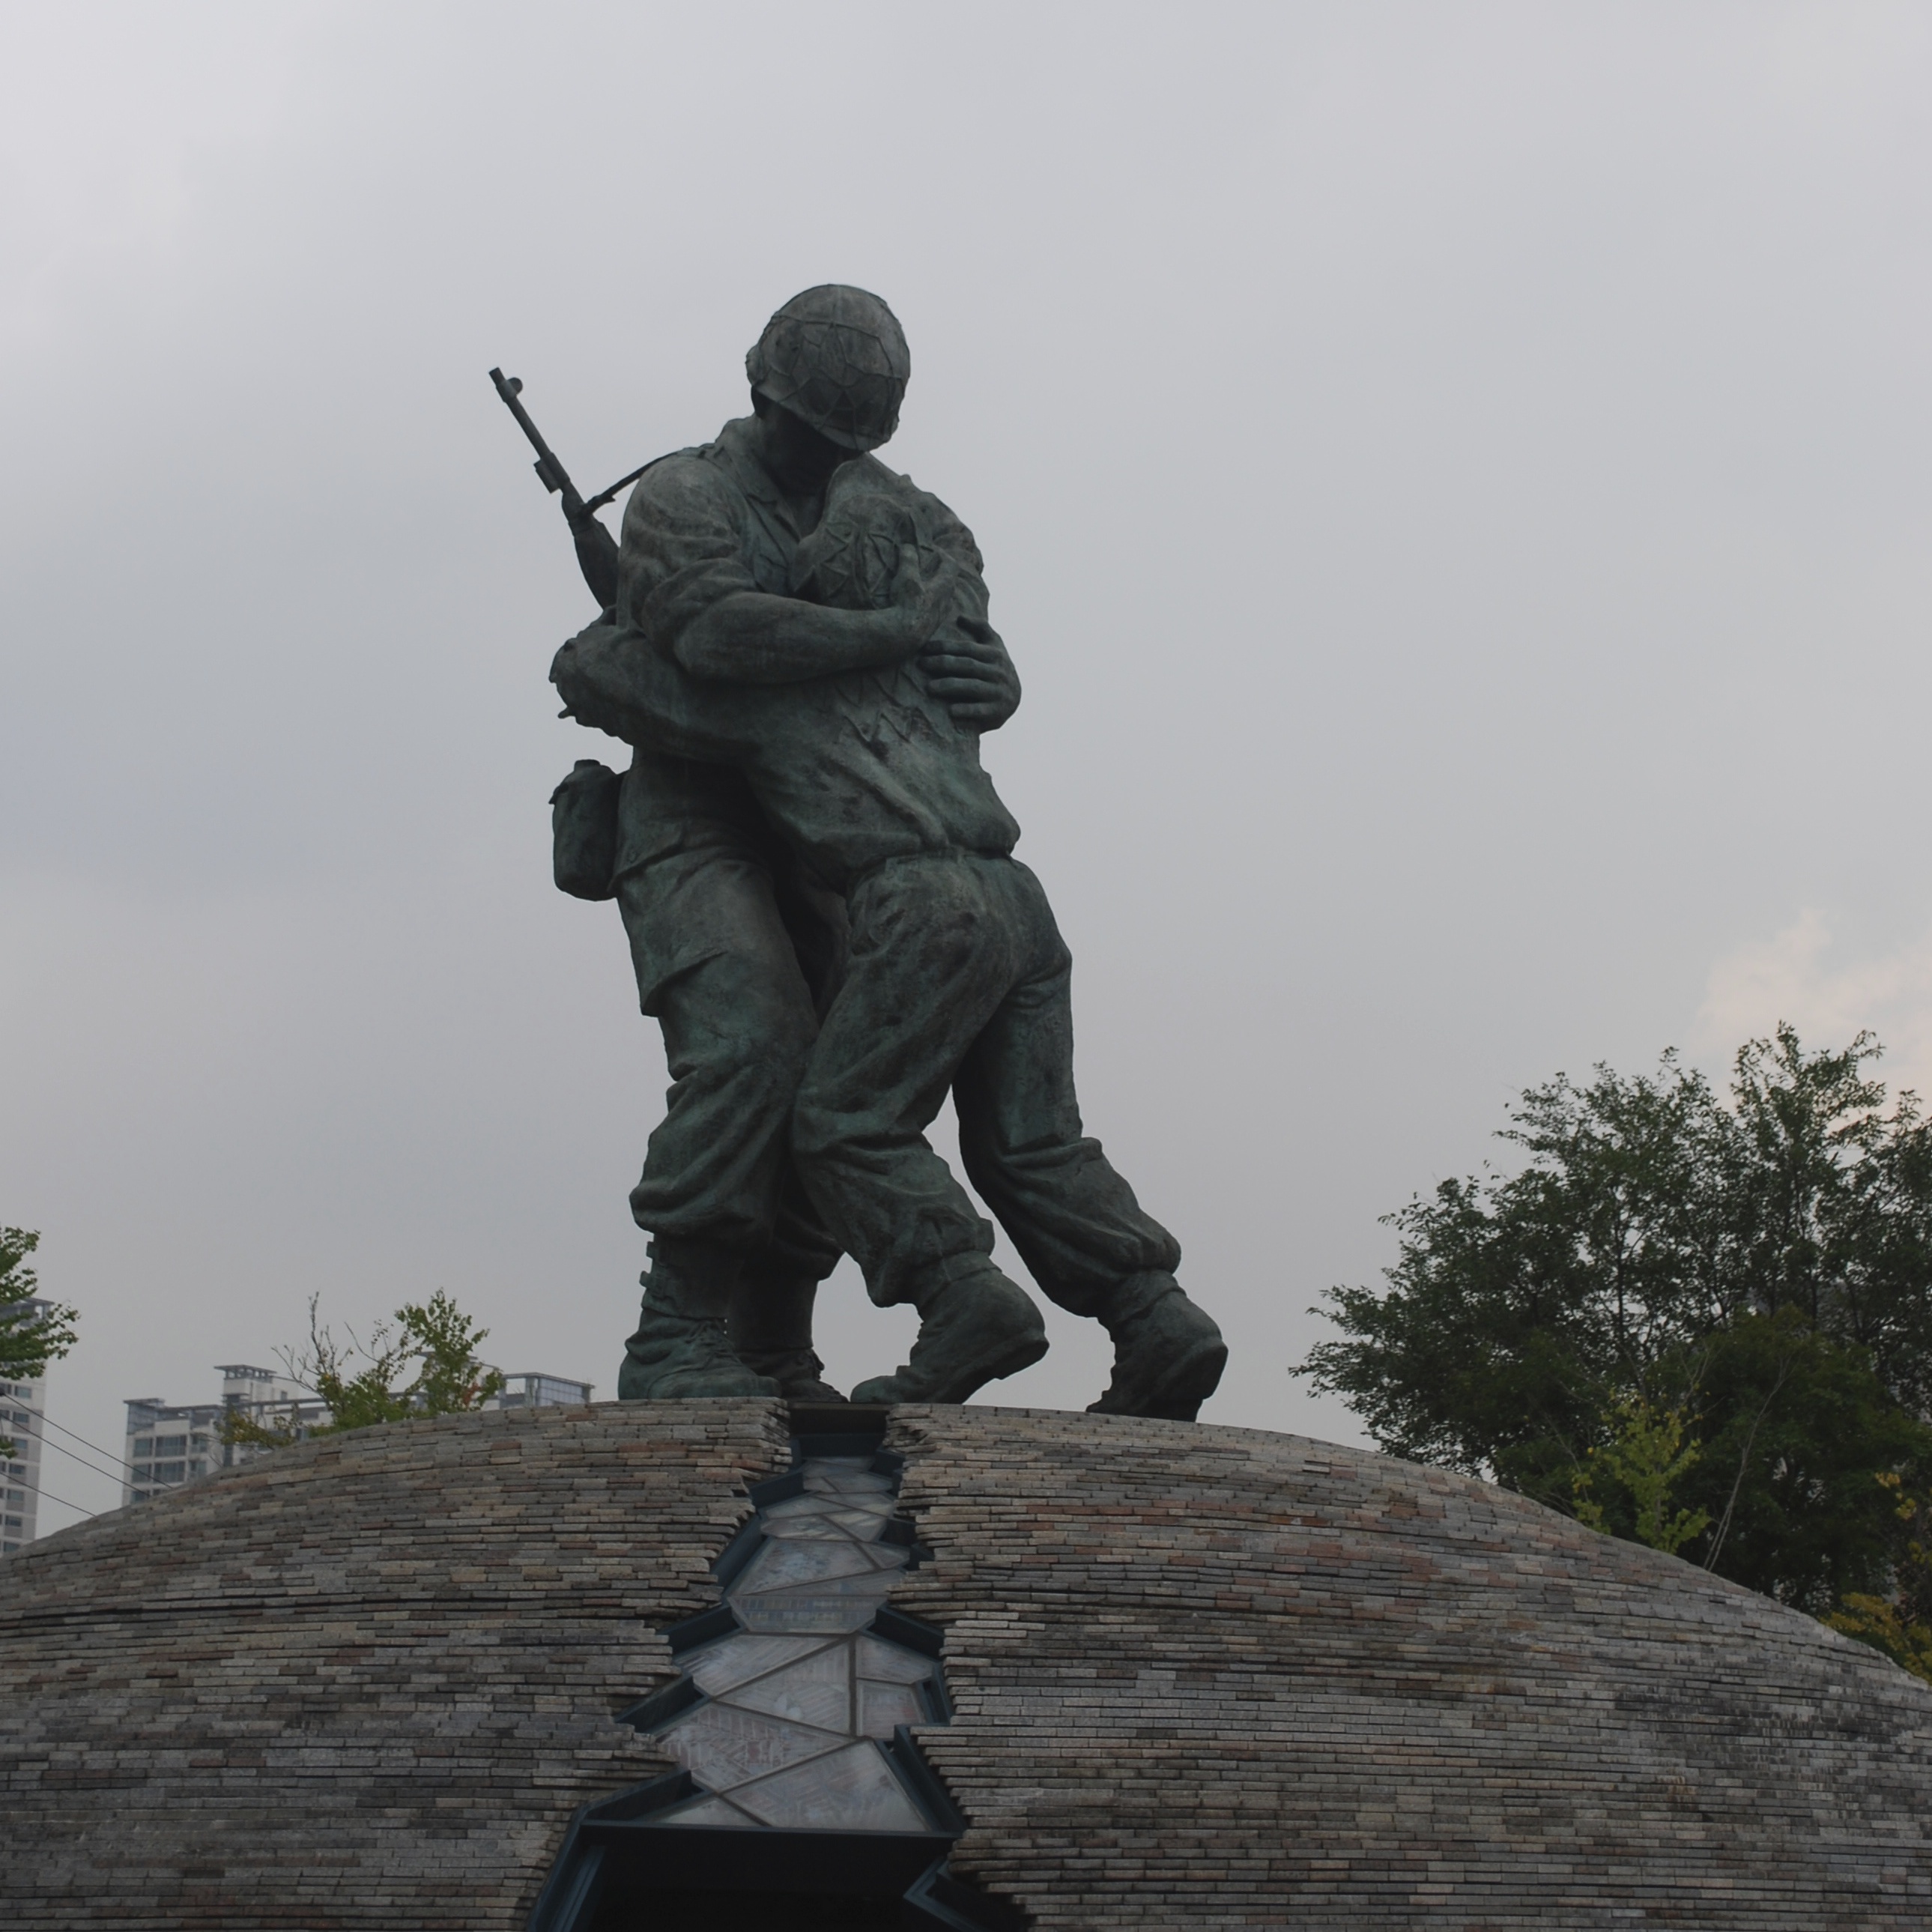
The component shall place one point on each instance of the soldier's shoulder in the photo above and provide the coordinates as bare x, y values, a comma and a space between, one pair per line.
882, 478
681, 479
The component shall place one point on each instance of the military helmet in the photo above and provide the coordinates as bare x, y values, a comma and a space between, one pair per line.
836, 357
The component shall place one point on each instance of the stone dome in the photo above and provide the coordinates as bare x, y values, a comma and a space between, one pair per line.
1197, 1677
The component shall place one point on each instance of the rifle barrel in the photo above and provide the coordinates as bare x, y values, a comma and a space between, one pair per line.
553, 474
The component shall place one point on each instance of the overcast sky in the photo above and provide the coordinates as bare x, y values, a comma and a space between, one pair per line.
1454, 479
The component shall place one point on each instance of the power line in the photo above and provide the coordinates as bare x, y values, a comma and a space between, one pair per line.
49, 1495
109, 1453
64, 1450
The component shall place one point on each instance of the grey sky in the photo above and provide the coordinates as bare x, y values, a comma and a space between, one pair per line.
1454, 480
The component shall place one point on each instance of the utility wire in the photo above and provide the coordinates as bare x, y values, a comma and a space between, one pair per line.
107, 1453
49, 1495
64, 1450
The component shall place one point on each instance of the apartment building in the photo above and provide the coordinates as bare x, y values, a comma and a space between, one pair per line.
20, 1424
170, 1445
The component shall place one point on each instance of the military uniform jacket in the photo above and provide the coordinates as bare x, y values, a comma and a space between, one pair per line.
851, 769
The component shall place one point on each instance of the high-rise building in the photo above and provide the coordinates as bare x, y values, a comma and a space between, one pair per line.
169, 1445
21, 1423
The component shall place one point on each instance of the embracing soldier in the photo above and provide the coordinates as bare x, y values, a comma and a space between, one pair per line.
799, 635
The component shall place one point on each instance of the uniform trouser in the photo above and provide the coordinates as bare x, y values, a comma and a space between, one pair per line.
721, 952
958, 977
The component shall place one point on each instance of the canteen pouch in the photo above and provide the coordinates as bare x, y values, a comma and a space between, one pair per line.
583, 831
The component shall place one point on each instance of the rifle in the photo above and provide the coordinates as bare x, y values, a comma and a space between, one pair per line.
596, 547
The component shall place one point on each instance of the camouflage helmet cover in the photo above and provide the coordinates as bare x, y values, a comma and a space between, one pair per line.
837, 357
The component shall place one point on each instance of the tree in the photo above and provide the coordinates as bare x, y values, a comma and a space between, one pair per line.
30, 1338
1899, 1625
1760, 1268
1646, 1456
436, 1336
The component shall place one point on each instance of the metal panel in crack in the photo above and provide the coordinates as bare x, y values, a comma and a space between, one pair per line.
805, 1505
723, 1666
883, 1708
721, 1746
783, 1566
846, 1603
888, 1662
851, 1790
818, 1691
710, 1812
819, 1525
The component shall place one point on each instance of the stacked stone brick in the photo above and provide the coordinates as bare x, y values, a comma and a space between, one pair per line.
363, 1682
1213, 1677
1203, 1678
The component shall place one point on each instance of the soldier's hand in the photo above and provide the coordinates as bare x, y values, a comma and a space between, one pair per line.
966, 668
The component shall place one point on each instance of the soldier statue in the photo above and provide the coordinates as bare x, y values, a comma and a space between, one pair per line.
817, 881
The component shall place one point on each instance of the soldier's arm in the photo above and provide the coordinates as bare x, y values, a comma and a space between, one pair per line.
613, 678
752, 638
685, 585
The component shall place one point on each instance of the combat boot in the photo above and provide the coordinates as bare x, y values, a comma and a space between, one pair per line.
681, 1350
1167, 1354
970, 1333
770, 1328
799, 1373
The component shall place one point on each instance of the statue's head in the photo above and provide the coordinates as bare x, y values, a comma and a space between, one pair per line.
851, 559
836, 357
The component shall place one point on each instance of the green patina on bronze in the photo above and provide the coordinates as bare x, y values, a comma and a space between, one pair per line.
815, 873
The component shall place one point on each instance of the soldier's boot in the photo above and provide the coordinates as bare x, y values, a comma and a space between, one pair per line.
1168, 1353
970, 1333
770, 1328
681, 1350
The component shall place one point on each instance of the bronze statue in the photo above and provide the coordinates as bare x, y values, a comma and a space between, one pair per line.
817, 878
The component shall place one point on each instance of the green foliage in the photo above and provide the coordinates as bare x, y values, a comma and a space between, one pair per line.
1646, 1457
29, 1340
1899, 1625
435, 1337
1764, 1263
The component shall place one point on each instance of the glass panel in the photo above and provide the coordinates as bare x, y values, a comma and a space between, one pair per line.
797, 1506
849, 1604
851, 1790
830, 1473
878, 1658
866, 1582
882, 1706
782, 1528
723, 1666
709, 1811
721, 1746
868, 1526
780, 1565
848, 1485
818, 1691
842, 1465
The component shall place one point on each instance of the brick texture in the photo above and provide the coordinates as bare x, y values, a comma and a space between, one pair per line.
1216, 1677
1203, 1677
